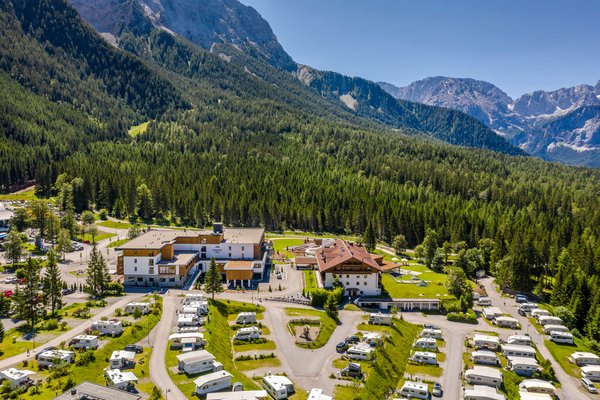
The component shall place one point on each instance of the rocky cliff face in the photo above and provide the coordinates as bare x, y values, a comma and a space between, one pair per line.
204, 23
543, 123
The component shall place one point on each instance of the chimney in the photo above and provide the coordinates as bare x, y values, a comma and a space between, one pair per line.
218, 228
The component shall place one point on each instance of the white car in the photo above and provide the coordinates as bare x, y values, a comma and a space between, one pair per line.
11, 279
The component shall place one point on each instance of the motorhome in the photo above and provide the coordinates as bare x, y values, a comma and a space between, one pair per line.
117, 379
189, 320
539, 312
537, 386
431, 333
112, 327
527, 307
380, 319
52, 358
425, 343
373, 339
144, 308
491, 312
213, 382
16, 377
278, 386
549, 320
244, 318
484, 302
239, 395
249, 333
84, 342
121, 359
516, 350
485, 357
360, 351
416, 390
555, 328
479, 375
522, 366
196, 362
506, 322
193, 298
179, 339
583, 358
562, 337
481, 392
424, 357
523, 340
317, 394
195, 308
486, 342
592, 372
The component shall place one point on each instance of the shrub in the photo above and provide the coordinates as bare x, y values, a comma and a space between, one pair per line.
86, 358
103, 214
468, 317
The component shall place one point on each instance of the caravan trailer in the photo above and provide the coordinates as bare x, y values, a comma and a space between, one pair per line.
486, 342
485, 357
51, 358
484, 301
537, 386
523, 340
561, 337
196, 362
213, 382
380, 319
539, 312
487, 376
480, 392
196, 339
555, 328
425, 343
583, 358
84, 342
112, 327
592, 372
249, 333
506, 322
549, 320
431, 333
516, 350
188, 320
417, 390
144, 308
360, 352
522, 366
244, 318
121, 359
278, 386
193, 298
424, 357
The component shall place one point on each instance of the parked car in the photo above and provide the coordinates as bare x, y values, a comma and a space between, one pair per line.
437, 390
521, 298
11, 279
135, 348
341, 347
67, 291
588, 385
76, 246
8, 293
429, 326
21, 280
352, 340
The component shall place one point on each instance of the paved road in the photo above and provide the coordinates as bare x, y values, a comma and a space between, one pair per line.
570, 387
158, 368
65, 337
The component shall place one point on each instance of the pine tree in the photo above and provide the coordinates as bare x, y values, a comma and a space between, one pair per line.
29, 304
430, 245
52, 284
63, 243
1, 331
399, 244
213, 281
369, 239
98, 277
13, 246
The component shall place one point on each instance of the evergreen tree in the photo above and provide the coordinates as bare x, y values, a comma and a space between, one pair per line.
40, 213
20, 219
430, 246
98, 277
369, 239
331, 307
13, 246
144, 202
1, 331
52, 284
399, 244
213, 283
28, 298
63, 243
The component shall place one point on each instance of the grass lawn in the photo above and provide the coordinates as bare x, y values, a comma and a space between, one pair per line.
101, 235
562, 352
118, 243
138, 129
248, 365
268, 345
93, 371
352, 307
430, 370
115, 224
389, 365
511, 384
279, 246
26, 195
413, 291
310, 281
328, 325
305, 234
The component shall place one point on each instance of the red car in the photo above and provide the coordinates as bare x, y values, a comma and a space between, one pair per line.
21, 280
8, 293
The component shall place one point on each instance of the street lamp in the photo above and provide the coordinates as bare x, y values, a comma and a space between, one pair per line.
167, 394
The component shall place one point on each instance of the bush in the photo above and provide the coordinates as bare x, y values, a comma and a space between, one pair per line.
103, 214
319, 297
48, 325
86, 358
468, 317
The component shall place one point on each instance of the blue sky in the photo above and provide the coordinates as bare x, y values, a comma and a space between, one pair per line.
520, 46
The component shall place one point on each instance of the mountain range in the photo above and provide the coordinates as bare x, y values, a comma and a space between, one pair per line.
238, 35
561, 125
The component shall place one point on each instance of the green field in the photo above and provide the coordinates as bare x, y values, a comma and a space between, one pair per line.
248, 365
429, 370
101, 235
562, 352
268, 345
389, 365
328, 325
25, 195
413, 291
310, 281
138, 129
279, 246
115, 224
118, 243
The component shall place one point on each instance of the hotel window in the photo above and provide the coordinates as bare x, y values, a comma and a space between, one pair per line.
151, 261
242, 255
365, 283
229, 255
151, 270
135, 260
347, 276
229, 247
347, 283
242, 248
135, 269
366, 277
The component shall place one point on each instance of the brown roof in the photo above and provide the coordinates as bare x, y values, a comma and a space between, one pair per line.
238, 265
306, 260
342, 251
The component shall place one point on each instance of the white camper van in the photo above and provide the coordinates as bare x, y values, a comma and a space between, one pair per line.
360, 352
244, 318
484, 301
561, 337
431, 333
424, 357
112, 327
249, 333
380, 319
417, 390
278, 386
425, 343
84, 342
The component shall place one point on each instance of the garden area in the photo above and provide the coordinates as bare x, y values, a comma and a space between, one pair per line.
313, 318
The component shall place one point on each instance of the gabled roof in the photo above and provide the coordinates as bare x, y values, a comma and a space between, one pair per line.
342, 251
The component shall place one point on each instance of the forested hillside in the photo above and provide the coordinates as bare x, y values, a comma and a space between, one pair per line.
224, 144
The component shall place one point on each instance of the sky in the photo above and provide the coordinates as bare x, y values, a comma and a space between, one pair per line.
520, 46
